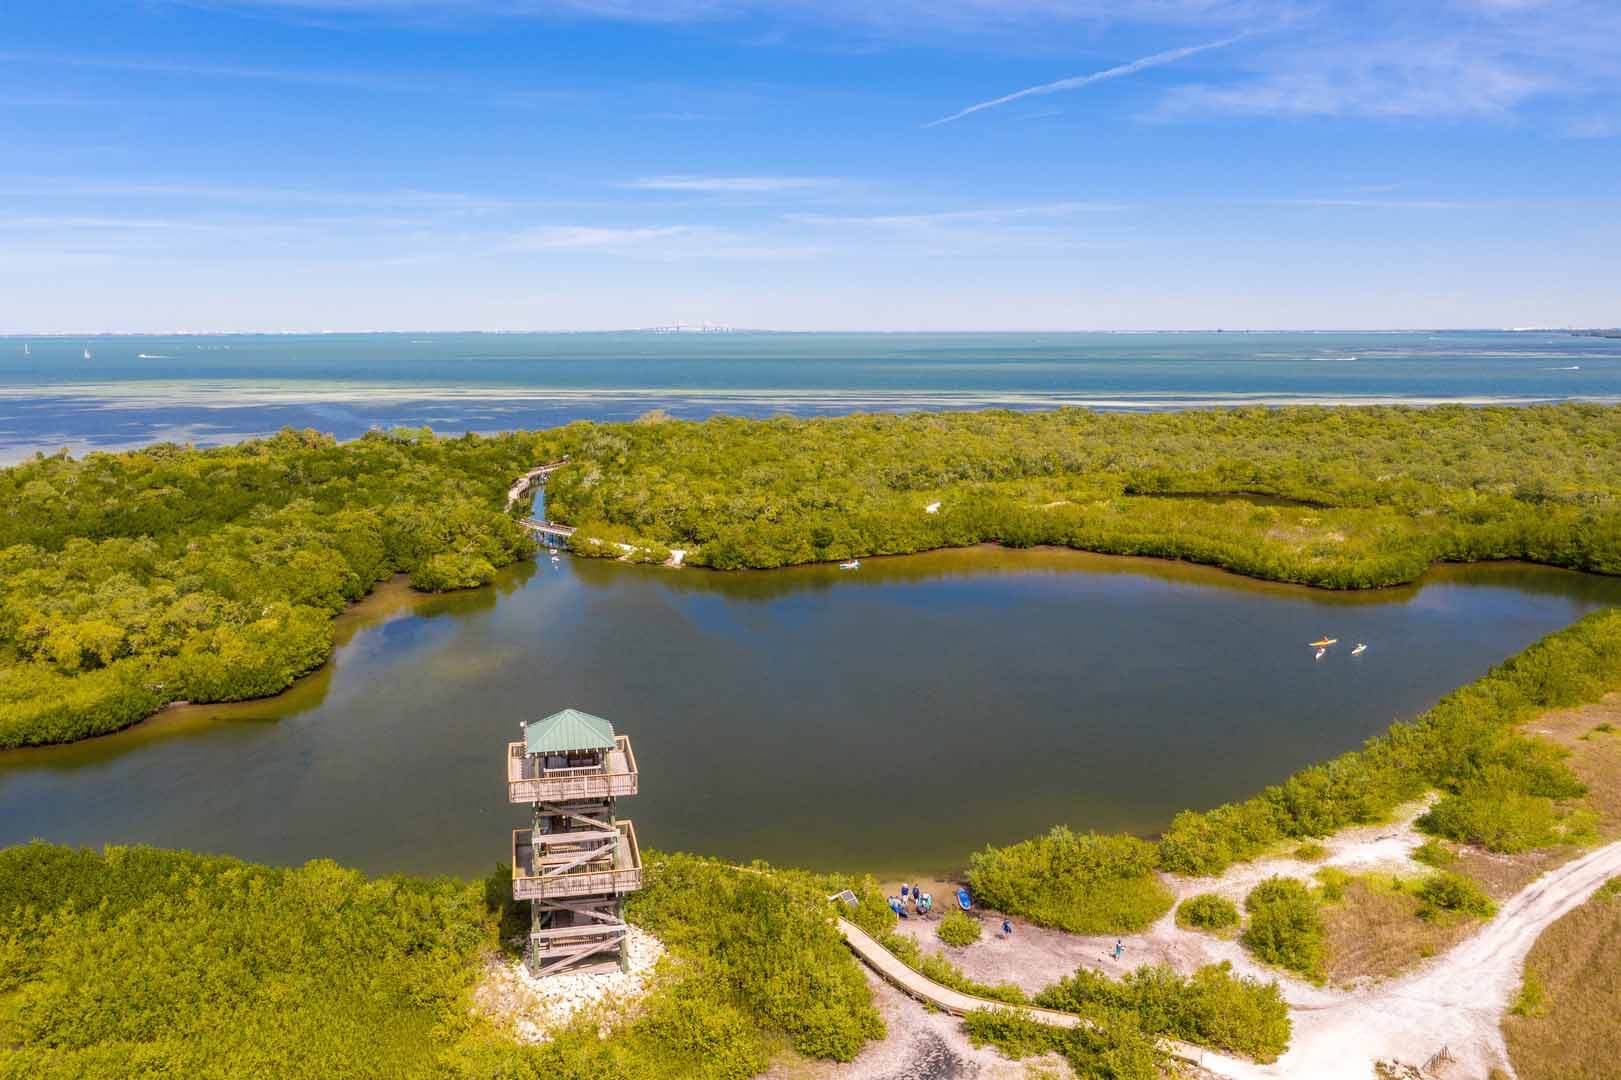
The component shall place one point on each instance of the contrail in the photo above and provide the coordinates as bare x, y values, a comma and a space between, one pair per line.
1077, 81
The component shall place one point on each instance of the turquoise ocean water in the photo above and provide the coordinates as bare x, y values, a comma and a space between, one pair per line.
212, 389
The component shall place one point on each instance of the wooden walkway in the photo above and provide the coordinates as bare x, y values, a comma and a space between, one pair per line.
548, 529
520, 487
890, 968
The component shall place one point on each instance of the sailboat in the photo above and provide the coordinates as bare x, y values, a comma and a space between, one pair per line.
25, 350
1320, 653
1361, 647
87, 354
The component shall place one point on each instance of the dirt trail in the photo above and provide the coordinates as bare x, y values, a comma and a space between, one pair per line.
1456, 1001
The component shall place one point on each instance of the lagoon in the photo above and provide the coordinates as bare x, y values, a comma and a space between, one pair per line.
891, 719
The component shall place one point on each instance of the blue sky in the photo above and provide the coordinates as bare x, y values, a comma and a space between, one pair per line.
954, 164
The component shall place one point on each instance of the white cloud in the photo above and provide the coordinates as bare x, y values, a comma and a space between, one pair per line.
1169, 56
727, 184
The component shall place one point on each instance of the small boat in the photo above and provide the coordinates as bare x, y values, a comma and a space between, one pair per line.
25, 349
853, 564
87, 354
1323, 643
964, 900
1360, 649
1320, 653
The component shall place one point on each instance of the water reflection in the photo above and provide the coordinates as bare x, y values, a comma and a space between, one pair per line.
892, 718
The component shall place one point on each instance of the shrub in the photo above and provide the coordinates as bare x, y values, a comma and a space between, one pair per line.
1112, 1047
1081, 882
958, 928
1207, 911
765, 941
1311, 851
452, 570
1434, 853
1331, 883
1285, 927
1212, 1008
1494, 812
1449, 892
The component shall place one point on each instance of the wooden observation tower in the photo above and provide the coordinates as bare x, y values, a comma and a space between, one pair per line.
578, 860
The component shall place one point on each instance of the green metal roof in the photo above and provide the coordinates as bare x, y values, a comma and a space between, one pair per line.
570, 729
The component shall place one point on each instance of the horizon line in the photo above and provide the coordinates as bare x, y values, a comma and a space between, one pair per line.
665, 331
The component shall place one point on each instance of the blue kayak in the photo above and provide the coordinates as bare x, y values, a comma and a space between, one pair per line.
963, 899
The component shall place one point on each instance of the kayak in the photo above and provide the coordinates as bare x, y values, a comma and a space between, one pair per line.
963, 899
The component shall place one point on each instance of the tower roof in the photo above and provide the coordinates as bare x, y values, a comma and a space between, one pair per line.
568, 730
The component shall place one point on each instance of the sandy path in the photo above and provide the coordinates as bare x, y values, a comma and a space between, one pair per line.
1456, 1001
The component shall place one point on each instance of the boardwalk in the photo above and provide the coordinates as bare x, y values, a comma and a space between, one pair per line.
520, 487
889, 967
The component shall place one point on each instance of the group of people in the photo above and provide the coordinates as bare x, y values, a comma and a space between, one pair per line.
913, 897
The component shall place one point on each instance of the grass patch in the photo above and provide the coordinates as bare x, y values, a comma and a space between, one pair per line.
958, 929
1212, 1008
1563, 1023
1207, 911
1081, 882
1285, 927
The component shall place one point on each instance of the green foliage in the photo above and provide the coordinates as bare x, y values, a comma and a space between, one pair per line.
1311, 851
1449, 892
1081, 882
1331, 884
958, 928
1212, 1008
1610, 890
1285, 927
1207, 911
1112, 1047
137, 961
1434, 853
1359, 497
170, 573
765, 943
602, 540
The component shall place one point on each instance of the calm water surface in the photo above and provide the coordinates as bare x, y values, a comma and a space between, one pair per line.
212, 389
890, 719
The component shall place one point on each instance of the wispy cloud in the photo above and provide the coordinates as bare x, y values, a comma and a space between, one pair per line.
195, 69
727, 184
575, 237
1159, 59
978, 215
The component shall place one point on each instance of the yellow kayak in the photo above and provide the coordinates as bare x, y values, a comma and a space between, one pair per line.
1323, 643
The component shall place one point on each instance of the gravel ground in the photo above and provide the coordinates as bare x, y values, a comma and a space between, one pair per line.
536, 1007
